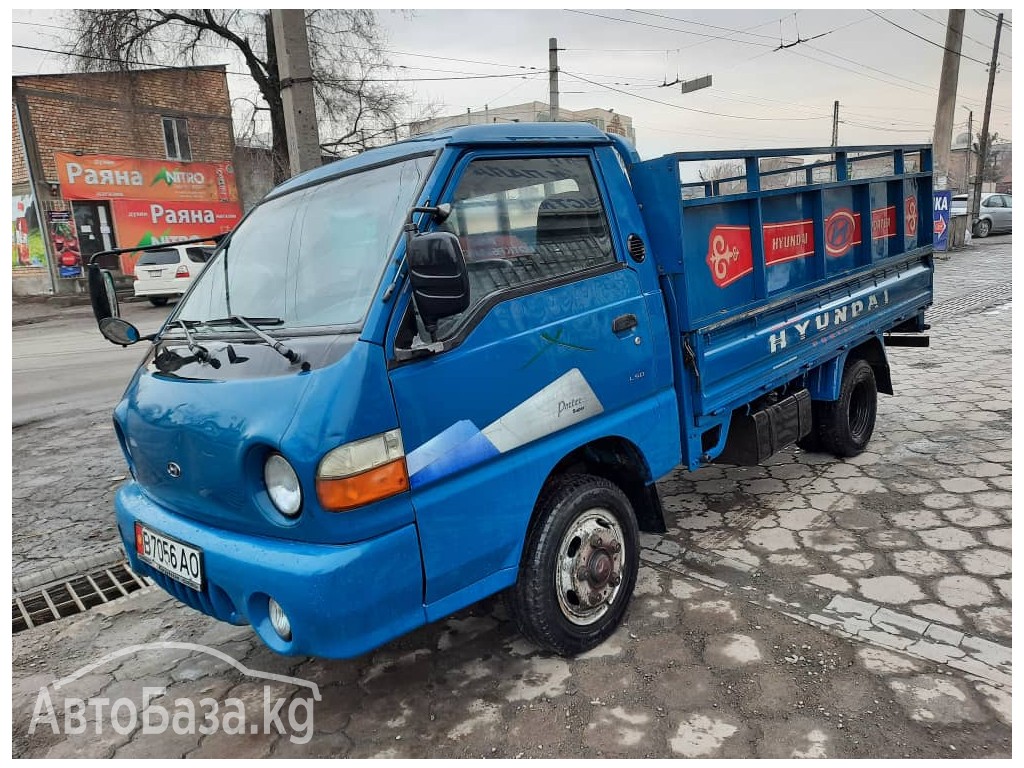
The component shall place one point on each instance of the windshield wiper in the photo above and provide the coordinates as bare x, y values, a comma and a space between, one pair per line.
202, 353
251, 322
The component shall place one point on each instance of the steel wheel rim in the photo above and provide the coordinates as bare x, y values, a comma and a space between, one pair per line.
589, 567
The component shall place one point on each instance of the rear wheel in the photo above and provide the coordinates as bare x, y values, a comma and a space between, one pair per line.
844, 427
158, 301
579, 565
983, 228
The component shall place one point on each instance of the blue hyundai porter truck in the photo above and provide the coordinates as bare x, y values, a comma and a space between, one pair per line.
456, 366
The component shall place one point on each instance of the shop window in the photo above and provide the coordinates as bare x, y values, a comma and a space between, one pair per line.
176, 138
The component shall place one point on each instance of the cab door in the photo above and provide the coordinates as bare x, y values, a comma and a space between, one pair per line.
552, 348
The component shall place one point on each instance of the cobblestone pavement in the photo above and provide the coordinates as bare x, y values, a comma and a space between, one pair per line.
809, 607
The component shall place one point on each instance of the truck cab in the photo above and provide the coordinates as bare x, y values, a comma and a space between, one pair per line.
457, 365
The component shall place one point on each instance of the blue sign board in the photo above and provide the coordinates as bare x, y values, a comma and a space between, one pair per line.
940, 227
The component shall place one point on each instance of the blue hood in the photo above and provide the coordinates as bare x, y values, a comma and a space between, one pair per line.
220, 424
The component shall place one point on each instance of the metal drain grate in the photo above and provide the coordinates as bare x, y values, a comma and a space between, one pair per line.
74, 595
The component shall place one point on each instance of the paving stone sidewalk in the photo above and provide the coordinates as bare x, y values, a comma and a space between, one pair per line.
698, 670
809, 607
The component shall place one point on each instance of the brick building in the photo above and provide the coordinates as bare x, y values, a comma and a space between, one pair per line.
106, 160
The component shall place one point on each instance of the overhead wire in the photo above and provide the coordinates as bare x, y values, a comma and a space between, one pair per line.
925, 39
691, 109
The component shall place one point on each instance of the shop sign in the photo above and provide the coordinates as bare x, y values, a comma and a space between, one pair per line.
142, 223
113, 177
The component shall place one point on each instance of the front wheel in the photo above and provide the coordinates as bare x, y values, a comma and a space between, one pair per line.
579, 565
158, 301
983, 228
845, 426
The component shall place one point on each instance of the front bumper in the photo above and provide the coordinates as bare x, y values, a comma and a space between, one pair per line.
341, 600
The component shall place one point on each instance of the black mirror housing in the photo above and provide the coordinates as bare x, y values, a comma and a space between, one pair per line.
439, 277
102, 295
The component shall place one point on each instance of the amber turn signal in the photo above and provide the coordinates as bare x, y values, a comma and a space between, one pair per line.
343, 493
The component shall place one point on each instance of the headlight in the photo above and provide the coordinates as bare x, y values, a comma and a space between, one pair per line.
282, 485
361, 472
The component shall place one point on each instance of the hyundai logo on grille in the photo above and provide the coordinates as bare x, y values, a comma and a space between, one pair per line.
173, 469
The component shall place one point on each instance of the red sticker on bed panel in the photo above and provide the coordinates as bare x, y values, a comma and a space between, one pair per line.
730, 255
788, 240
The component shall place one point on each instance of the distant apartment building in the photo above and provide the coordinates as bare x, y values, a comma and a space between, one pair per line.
531, 112
116, 159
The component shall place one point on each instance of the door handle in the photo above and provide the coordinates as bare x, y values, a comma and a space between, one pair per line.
624, 323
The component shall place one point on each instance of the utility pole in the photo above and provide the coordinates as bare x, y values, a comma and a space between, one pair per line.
967, 167
296, 75
835, 123
943, 135
983, 143
553, 79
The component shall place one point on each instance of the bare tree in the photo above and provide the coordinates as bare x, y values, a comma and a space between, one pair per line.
358, 100
737, 171
724, 169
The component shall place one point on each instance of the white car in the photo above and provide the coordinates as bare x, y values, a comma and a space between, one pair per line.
167, 273
996, 214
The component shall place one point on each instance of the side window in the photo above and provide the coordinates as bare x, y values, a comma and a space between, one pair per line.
526, 220
199, 255
996, 201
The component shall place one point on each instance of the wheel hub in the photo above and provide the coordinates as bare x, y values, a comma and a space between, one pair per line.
592, 557
599, 569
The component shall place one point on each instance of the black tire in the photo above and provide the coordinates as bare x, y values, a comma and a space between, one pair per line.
575, 524
158, 301
844, 427
983, 228
810, 441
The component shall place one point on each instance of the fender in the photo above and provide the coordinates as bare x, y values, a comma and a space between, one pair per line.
824, 381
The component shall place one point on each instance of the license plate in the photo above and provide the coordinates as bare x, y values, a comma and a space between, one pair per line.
170, 556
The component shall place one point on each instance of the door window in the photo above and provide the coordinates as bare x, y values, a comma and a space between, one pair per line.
526, 220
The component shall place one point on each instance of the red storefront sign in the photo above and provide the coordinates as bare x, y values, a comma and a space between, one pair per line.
143, 223
113, 177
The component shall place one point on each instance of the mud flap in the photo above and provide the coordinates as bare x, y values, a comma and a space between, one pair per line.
755, 436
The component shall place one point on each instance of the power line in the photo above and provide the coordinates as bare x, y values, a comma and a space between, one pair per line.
688, 109
986, 46
699, 24
663, 28
930, 42
247, 74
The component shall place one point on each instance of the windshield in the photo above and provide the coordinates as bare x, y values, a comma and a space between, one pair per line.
311, 257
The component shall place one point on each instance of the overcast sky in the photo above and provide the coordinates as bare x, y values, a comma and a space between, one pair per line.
885, 78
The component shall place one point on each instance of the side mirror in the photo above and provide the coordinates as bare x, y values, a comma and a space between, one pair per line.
103, 298
119, 331
102, 295
439, 277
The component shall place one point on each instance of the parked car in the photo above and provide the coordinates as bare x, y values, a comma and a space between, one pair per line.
993, 216
168, 273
